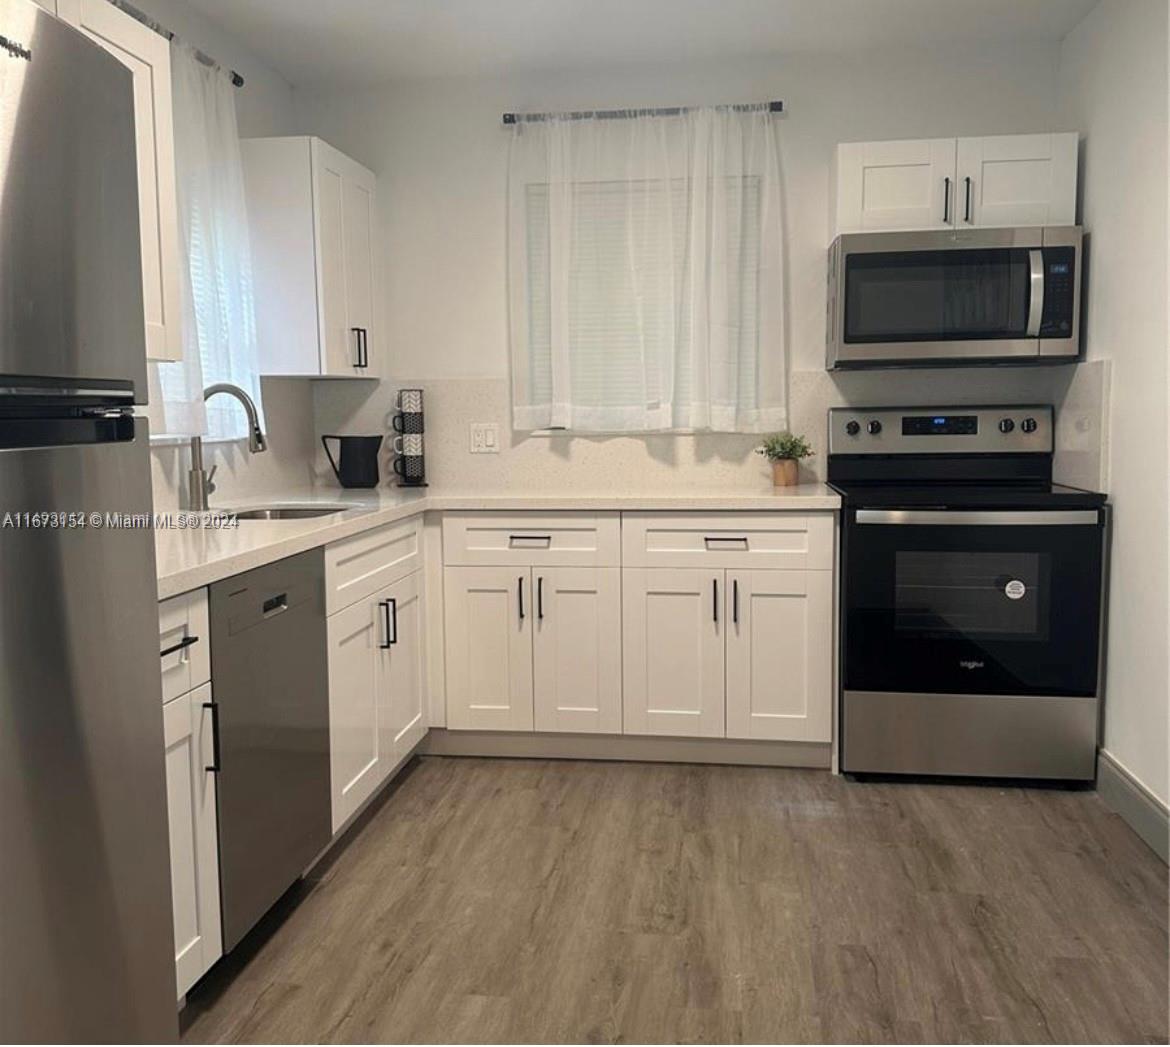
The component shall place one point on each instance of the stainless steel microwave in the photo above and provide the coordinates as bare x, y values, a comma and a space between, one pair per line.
973, 296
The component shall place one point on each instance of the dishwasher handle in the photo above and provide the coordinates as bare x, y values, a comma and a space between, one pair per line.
275, 605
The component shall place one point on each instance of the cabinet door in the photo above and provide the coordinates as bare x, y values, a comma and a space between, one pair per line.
1009, 180
355, 750
780, 655
401, 715
895, 185
488, 617
187, 728
576, 649
358, 216
672, 651
148, 57
339, 348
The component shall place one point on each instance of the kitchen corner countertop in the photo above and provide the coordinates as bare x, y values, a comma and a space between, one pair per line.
188, 558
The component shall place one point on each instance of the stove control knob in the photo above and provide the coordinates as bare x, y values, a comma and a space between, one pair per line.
1006, 425
1028, 425
852, 428
873, 427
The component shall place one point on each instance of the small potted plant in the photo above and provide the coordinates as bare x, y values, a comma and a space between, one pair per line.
784, 451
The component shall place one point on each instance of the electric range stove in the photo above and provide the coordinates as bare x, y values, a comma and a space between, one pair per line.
971, 595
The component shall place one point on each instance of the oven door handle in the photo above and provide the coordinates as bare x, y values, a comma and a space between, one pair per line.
1036, 292
979, 517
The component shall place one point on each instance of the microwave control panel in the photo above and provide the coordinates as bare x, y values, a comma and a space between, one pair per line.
1056, 320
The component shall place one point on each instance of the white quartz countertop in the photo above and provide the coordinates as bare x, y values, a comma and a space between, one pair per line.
188, 557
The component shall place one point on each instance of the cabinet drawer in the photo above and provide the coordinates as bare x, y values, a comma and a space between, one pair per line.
360, 566
562, 539
742, 540
184, 643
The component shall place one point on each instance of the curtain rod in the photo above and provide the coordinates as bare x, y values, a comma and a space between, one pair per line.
619, 114
163, 31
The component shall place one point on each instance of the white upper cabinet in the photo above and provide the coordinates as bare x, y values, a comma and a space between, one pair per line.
895, 185
311, 213
945, 183
148, 56
1010, 180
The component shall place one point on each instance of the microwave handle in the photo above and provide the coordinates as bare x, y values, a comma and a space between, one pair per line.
1036, 297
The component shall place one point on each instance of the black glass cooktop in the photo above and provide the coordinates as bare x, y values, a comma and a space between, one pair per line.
1021, 495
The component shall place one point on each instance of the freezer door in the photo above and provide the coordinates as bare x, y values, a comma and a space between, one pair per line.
86, 952
71, 313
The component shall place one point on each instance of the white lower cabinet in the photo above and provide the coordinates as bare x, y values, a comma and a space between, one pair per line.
375, 691
194, 844
715, 625
673, 622
779, 655
488, 612
402, 719
355, 743
577, 649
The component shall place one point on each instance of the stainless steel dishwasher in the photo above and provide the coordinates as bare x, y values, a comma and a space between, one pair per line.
269, 682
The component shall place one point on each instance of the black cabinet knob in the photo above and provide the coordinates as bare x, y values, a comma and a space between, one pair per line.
873, 427
852, 428
1006, 425
1028, 425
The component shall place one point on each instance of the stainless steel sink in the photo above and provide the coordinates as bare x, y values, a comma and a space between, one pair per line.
290, 512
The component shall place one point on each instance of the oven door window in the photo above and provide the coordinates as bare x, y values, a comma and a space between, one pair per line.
937, 296
943, 594
972, 609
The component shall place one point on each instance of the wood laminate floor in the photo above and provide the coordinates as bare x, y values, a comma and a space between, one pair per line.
509, 900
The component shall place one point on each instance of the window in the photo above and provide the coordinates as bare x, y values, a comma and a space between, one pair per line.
646, 296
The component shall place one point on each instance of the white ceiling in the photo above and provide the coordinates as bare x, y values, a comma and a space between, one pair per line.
361, 42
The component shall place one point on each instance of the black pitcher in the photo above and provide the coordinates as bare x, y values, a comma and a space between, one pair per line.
357, 464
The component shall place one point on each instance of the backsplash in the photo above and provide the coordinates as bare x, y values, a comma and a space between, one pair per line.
668, 462
287, 464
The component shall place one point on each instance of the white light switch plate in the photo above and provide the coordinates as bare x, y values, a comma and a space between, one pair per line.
485, 438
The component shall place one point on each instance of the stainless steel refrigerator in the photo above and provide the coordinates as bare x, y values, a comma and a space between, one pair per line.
86, 949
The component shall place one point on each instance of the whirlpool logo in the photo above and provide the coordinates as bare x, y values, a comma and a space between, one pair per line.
971, 663
14, 49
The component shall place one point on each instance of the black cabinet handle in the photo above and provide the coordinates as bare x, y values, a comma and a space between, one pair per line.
946, 200
389, 622
185, 642
365, 347
715, 600
540, 597
357, 331
214, 707
735, 600
967, 204
520, 595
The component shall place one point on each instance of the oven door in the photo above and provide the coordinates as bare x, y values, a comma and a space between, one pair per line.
972, 602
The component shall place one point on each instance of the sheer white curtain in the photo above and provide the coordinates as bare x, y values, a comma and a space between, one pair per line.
645, 277
219, 324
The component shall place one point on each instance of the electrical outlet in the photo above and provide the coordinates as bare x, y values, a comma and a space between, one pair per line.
485, 438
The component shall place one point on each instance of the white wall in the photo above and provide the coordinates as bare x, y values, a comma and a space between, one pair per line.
1113, 76
264, 106
440, 153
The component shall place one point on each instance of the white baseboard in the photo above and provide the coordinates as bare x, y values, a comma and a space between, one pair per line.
531, 745
1134, 803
